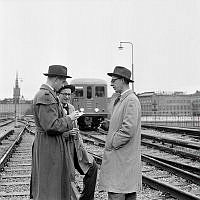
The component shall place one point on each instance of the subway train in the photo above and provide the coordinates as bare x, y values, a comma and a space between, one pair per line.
90, 97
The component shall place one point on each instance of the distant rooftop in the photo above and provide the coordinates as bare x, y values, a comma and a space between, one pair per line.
88, 81
162, 93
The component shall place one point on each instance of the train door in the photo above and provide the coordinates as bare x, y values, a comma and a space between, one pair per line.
78, 97
89, 92
89, 99
100, 100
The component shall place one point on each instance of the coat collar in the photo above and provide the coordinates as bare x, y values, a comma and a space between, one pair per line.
46, 87
123, 96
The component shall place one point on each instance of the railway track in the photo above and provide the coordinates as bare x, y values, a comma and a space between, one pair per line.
15, 163
185, 151
158, 173
15, 174
6, 122
195, 133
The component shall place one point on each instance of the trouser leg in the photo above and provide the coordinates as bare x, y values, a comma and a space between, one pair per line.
116, 196
89, 183
120, 196
131, 196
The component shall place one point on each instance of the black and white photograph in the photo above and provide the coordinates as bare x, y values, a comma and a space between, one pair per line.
99, 100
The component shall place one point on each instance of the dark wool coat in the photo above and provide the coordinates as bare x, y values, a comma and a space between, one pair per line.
50, 178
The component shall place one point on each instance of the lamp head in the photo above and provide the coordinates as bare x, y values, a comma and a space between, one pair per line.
120, 47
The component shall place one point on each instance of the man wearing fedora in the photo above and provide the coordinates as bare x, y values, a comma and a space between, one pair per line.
120, 173
51, 172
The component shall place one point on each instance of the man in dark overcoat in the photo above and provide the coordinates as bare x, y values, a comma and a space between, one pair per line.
51, 172
80, 158
120, 173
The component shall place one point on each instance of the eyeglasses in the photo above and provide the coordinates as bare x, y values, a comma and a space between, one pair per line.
66, 94
113, 80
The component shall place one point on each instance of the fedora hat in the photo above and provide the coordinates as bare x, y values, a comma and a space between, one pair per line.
57, 70
121, 72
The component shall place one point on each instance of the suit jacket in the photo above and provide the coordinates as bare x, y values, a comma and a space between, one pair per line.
85, 160
121, 166
50, 164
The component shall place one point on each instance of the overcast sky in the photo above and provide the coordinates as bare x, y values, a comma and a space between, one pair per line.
84, 35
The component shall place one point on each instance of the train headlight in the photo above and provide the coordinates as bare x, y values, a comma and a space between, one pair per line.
96, 109
82, 109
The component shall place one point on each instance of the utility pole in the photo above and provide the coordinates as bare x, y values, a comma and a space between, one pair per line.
121, 48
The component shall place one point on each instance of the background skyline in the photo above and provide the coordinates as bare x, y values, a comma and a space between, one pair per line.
85, 35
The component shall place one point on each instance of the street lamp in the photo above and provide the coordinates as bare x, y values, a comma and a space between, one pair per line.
121, 48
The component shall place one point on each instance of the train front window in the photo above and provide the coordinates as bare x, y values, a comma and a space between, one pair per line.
89, 92
79, 92
99, 91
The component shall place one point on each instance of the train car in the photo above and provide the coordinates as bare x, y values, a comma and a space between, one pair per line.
90, 97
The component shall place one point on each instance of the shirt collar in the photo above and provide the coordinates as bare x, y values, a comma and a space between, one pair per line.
125, 91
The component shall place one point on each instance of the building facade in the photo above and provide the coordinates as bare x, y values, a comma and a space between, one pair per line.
170, 104
16, 106
8, 109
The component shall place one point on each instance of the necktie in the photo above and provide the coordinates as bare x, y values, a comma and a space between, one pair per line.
67, 108
117, 99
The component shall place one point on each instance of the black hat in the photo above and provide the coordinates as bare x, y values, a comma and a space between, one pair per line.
57, 70
66, 86
121, 72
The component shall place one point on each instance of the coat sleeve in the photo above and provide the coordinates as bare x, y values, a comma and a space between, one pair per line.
129, 125
48, 115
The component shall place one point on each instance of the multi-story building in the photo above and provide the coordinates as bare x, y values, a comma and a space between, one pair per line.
169, 104
196, 104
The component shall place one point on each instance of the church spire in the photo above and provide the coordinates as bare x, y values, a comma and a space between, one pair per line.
16, 90
17, 81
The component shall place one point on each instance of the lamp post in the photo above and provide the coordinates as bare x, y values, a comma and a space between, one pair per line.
15, 99
121, 48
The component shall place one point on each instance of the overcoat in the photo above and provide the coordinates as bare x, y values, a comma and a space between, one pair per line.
50, 177
121, 166
76, 148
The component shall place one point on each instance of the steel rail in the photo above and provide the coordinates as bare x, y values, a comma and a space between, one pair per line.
5, 123
170, 150
194, 132
174, 191
189, 168
178, 142
6, 156
174, 151
158, 185
6, 134
164, 187
185, 174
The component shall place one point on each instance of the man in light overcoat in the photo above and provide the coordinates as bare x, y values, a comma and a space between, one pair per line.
120, 173
51, 172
